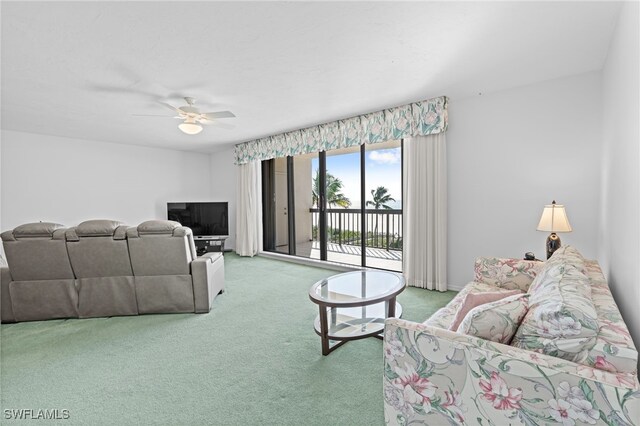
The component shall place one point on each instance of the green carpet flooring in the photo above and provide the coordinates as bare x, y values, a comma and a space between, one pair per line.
253, 360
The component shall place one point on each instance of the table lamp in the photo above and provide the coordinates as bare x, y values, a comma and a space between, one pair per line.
554, 219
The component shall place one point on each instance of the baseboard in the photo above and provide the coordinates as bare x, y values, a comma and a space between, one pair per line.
343, 267
455, 287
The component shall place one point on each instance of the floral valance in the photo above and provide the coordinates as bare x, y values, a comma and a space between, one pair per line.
417, 119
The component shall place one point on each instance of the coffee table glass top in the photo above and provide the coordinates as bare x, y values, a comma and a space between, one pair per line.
357, 288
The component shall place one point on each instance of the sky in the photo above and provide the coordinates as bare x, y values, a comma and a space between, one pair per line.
383, 168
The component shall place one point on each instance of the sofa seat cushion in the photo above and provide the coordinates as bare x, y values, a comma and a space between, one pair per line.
443, 318
496, 321
614, 349
562, 319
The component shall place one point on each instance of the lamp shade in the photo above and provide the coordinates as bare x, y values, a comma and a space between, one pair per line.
190, 128
554, 219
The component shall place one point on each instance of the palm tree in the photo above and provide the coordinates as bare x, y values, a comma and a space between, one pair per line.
334, 194
380, 196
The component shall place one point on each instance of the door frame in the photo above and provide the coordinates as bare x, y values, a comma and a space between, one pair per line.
268, 205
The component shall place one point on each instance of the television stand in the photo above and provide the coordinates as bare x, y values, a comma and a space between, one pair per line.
207, 244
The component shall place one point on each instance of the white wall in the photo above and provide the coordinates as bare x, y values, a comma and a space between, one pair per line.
71, 180
509, 154
512, 152
223, 187
619, 242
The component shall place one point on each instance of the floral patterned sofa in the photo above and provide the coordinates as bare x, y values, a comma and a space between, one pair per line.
570, 362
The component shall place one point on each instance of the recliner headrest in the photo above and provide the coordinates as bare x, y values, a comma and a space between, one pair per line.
98, 228
35, 230
158, 228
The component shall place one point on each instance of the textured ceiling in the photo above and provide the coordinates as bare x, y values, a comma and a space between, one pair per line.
83, 69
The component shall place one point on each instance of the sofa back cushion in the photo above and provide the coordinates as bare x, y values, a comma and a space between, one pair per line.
614, 350
161, 247
566, 255
37, 251
98, 248
562, 319
512, 274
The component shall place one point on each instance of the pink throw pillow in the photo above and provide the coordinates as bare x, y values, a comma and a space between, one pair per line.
471, 300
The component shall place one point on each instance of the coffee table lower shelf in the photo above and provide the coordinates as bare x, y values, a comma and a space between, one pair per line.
344, 324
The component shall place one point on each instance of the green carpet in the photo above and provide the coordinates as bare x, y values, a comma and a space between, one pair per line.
254, 359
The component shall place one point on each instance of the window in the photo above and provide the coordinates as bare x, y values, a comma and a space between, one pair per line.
343, 205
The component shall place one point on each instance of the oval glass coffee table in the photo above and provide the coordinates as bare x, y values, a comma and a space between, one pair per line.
354, 305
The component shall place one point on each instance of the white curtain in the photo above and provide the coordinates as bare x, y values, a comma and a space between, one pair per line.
249, 209
425, 212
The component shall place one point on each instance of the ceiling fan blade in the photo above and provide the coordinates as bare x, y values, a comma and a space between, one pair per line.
219, 114
218, 124
172, 108
154, 115
114, 90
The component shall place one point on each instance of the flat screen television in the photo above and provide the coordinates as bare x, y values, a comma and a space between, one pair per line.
209, 219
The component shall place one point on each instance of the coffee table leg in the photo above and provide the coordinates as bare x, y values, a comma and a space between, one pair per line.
324, 330
392, 307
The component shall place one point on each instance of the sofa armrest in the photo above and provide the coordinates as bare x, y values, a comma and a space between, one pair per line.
435, 376
512, 274
6, 308
208, 280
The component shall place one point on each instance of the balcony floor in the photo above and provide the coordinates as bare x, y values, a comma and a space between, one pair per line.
350, 254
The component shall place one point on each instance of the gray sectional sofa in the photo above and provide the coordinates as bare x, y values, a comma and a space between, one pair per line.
104, 268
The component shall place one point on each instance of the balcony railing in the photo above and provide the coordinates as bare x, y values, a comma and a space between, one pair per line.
344, 226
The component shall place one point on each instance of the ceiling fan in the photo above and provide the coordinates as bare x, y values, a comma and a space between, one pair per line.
193, 118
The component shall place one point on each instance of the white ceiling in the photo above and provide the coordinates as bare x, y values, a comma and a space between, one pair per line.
82, 69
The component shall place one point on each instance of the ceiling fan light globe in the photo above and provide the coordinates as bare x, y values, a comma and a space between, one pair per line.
190, 128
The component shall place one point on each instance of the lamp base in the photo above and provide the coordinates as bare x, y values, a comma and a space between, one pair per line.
553, 244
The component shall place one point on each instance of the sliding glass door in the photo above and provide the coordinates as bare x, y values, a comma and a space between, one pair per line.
342, 205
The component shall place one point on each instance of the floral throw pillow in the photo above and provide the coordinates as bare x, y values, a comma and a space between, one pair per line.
496, 321
472, 300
